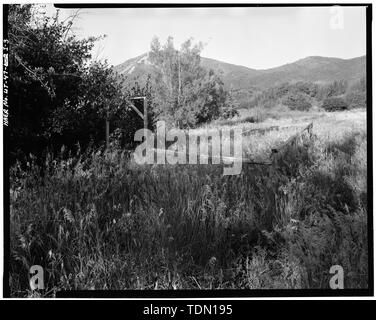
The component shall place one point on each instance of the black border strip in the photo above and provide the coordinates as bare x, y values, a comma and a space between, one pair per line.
6, 211
211, 293
239, 309
369, 148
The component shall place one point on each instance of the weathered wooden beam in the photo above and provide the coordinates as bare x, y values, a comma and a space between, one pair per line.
107, 133
294, 137
136, 110
204, 156
145, 114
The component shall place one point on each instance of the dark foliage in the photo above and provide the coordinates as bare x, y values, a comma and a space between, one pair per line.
56, 97
297, 102
335, 104
356, 99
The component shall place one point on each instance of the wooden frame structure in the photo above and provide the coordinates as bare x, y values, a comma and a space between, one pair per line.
143, 116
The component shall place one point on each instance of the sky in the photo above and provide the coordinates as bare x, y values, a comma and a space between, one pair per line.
258, 38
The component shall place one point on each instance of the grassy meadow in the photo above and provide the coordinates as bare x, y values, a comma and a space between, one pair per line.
96, 220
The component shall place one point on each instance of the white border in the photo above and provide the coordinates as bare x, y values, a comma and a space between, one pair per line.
190, 2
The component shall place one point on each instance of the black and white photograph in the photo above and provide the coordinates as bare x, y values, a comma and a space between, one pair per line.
187, 150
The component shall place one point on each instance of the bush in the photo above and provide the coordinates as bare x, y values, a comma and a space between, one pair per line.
228, 112
356, 99
297, 102
308, 88
335, 104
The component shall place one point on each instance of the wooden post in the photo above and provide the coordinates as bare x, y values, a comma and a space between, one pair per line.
107, 134
145, 114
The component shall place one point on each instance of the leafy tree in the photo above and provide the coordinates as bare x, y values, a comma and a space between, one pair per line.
186, 94
57, 96
210, 101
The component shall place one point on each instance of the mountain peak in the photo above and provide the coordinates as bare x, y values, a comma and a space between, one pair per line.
129, 66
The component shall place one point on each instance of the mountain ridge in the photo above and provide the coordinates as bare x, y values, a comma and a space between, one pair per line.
238, 77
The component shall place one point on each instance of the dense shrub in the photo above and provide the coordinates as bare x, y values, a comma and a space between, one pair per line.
58, 96
332, 89
307, 88
356, 99
335, 104
297, 102
301, 95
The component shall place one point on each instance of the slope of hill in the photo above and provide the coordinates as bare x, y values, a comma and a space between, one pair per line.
314, 69
236, 77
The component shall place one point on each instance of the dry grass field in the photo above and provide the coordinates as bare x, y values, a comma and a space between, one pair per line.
95, 221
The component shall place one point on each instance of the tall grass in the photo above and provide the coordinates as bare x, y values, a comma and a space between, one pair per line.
99, 221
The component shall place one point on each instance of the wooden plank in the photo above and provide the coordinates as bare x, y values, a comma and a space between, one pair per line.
137, 111
229, 159
294, 137
145, 114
